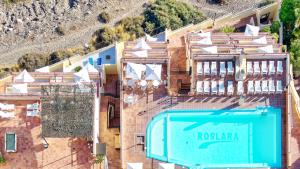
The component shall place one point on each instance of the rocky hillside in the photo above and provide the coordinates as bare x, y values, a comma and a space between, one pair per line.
38, 25
49, 25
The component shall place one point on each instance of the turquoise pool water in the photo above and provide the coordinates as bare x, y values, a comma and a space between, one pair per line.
216, 138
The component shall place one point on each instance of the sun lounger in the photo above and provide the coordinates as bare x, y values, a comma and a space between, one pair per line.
240, 88
279, 86
264, 68
230, 69
249, 68
257, 87
206, 68
271, 68
222, 69
32, 113
7, 107
271, 86
214, 88
199, 68
256, 68
6, 114
206, 87
230, 88
199, 87
250, 87
214, 70
10, 142
34, 106
265, 87
221, 87
279, 67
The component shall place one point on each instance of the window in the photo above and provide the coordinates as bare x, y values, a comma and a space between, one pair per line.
107, 57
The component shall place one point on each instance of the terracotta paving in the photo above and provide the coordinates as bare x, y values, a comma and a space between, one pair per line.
62, 152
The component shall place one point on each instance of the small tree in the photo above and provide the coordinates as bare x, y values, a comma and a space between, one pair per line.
99, 159
77, 69
32, 61
275, 27
2, 159
104, 17
228, 29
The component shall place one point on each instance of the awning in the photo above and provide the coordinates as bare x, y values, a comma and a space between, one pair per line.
134, 165
205, 41
134, 71
166, 166
19, 88
251, 30
43, 69
204, 35
153, 72
150, 38
266, 49
211, 49
82, 76
142, 44
140, 53
90, 68
262, 40
24, 77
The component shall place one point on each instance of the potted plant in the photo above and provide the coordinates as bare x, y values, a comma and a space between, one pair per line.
99, 159
2, 160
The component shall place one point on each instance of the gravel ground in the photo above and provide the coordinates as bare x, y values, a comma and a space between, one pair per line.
81, 23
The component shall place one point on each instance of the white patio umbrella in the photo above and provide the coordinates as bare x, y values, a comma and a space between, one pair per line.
211, 49
266, 49
140, 53
82, 76
251, 30
262, 40
204, 35
205, 41
134, 71
150, 38
19, 88
43, 69
153, 72
90, 68
166, 166
134, 165
142, 44
24, 77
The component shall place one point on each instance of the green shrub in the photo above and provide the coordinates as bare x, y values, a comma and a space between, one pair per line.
60, 30
133, 25
59, 56
77, 69
228, 29
171, 14
266, 29
99, 158
32, 61
275, 27
2, 159
104, 17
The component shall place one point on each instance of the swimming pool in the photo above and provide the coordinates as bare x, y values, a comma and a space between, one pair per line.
245, 138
